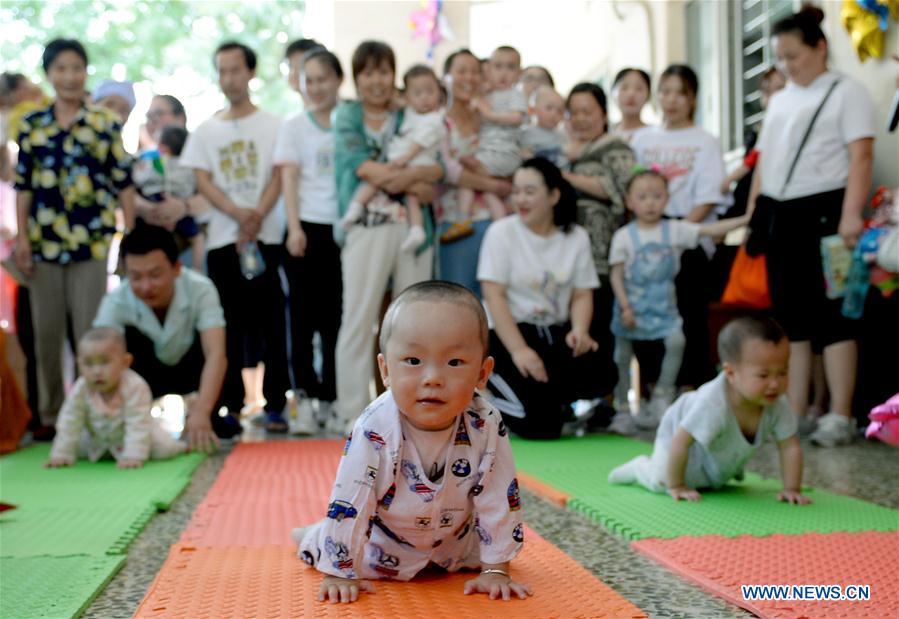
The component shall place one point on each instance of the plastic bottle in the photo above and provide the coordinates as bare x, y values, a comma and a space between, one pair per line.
252, 264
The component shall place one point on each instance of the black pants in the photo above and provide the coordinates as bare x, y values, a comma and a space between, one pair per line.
253, 309
316, 292
600, 329
795, 274
547, 405
694, 288
181, 378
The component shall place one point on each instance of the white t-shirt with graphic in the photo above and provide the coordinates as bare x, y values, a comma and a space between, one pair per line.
540, 272
238, 153
305, 143
847, 116
690, 159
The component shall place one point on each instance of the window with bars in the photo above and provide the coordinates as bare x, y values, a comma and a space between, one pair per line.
729, 46
756, 18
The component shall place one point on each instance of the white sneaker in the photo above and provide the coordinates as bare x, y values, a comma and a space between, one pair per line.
623, 424
302, 418
833, 430
808, 423
662, 398
339, 428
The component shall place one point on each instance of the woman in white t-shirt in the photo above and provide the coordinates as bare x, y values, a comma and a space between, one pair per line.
801, 199
691, 159
537, 277
305, 153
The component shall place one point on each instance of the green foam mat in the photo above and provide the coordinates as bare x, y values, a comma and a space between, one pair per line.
580, 466
24, 481
57, 587
62, 531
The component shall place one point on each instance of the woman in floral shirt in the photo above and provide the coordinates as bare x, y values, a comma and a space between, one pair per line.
72, 169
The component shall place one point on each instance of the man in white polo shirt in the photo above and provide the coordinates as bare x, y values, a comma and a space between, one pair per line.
175, 329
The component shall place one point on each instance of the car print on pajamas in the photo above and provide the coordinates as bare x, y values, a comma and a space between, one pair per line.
338, 510
462, 434
514, 497
416, 485
387, 499
476, 420
375, 439
340, 553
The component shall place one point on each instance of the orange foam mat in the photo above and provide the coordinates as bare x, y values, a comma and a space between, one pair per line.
251, 523
550, 493
721, 565
271, 581
275, 457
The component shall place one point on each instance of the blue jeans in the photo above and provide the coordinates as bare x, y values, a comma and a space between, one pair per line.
458, 261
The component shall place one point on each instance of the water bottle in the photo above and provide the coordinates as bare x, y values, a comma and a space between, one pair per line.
252, 265
857, 284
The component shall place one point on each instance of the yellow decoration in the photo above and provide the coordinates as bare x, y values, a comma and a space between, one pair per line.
864, 26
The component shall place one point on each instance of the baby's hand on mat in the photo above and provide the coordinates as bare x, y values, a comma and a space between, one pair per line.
130, 464
54, 463
683, 493
497, 587
342, 589
793, 496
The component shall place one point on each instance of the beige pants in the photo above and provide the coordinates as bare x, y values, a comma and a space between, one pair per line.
369, 259
59, 294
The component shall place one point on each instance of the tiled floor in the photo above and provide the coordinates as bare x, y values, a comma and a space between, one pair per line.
867, 470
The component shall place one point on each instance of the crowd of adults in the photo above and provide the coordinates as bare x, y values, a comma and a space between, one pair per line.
269, 194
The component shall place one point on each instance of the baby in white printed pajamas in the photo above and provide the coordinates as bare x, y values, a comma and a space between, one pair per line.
427, 475
108, 410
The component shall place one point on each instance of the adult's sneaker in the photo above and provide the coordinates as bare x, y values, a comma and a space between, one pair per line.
833, 430
302, 420
623, 423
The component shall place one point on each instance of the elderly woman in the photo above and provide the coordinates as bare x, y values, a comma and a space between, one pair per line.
72, 169
601, 165
371, 256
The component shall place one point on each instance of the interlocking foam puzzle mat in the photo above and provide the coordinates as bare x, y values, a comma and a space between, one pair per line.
579, 467
270, 581
63, 531
93, 484
53, 587
71, 527
721, 565
236, 559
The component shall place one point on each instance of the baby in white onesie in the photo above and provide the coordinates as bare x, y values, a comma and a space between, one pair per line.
108, 410
427, 475
708, 435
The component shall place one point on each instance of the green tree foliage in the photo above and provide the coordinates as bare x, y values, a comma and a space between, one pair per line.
146, 40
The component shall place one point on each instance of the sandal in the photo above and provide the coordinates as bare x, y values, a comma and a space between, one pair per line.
457, 231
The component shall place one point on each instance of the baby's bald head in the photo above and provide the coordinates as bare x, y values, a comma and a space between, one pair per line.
436, 292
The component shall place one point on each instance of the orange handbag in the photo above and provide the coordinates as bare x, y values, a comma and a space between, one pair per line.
747, 285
